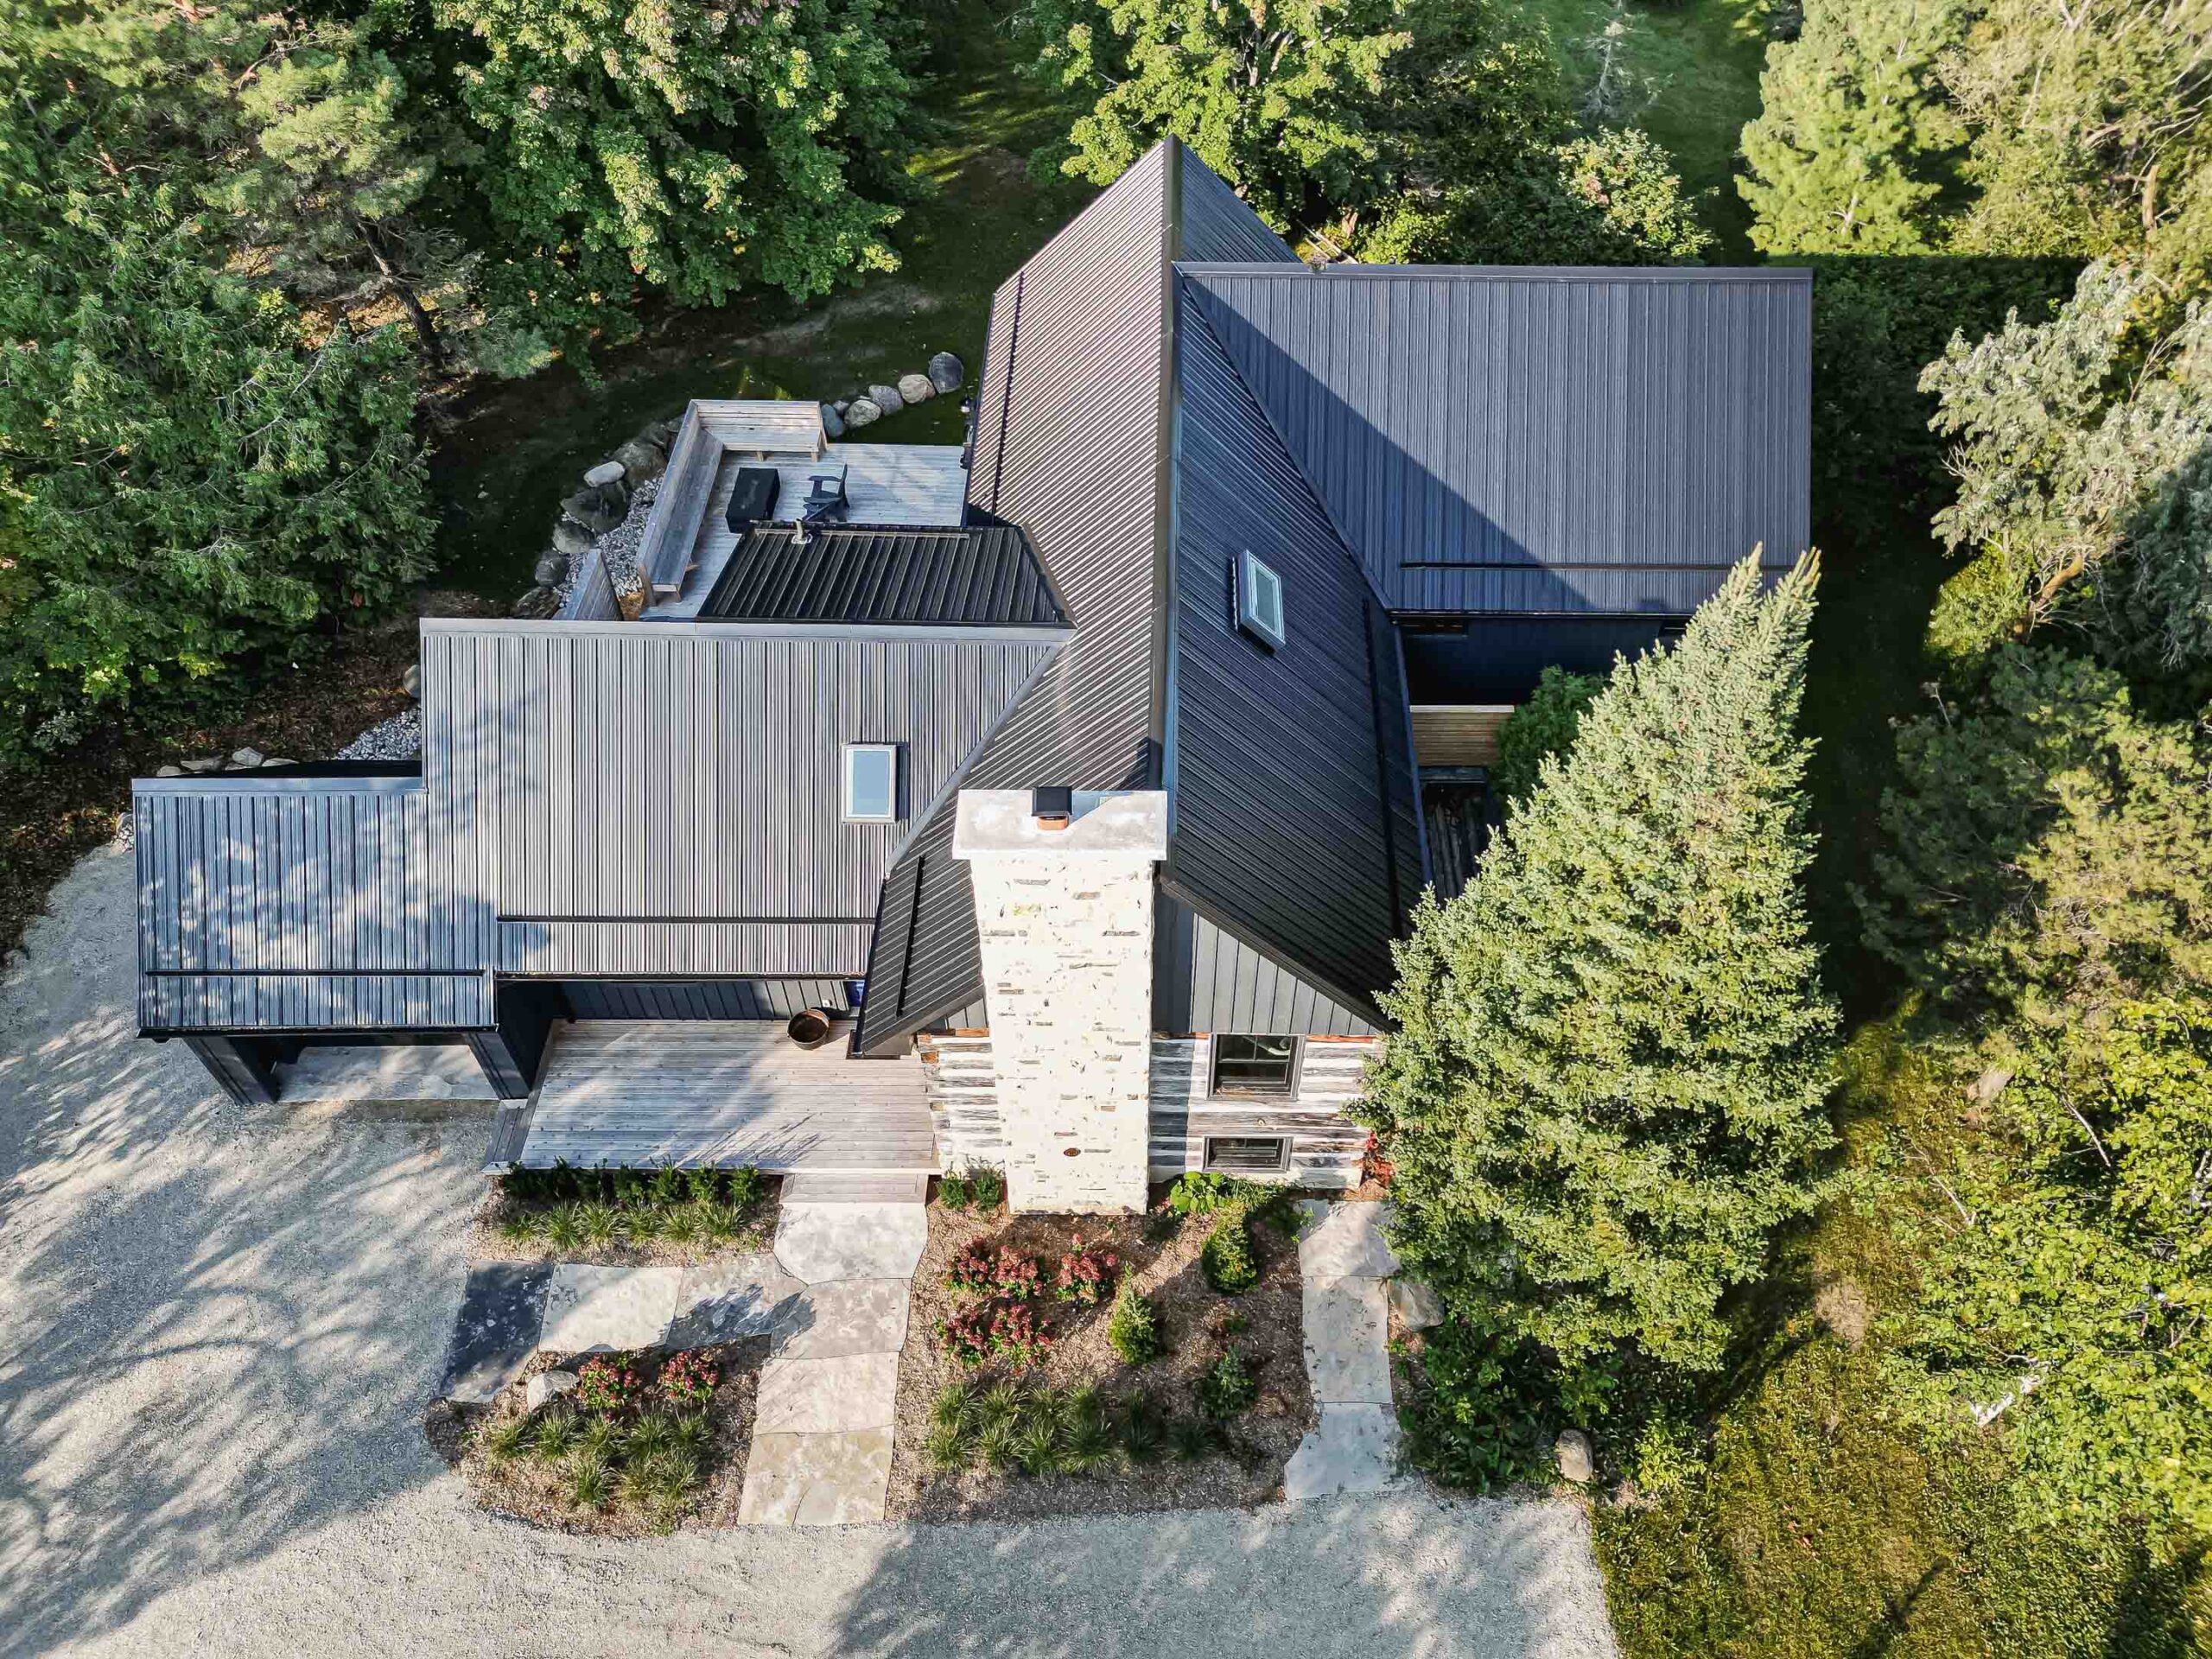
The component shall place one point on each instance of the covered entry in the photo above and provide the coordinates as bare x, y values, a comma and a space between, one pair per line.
728, 1092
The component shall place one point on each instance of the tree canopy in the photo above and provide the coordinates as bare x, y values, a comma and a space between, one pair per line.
1605, 1085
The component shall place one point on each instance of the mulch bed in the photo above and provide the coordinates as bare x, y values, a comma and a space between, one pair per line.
303, 710
1265, 1324
529, 1487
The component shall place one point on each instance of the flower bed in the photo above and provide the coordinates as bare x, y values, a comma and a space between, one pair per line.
627, 1217
644, 1443
1062, 1365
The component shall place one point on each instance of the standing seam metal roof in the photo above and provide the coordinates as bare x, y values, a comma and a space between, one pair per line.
982, 575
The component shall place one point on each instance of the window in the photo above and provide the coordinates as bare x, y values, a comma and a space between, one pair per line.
1259, 602
871, 783
1254, 1065
1247, 1154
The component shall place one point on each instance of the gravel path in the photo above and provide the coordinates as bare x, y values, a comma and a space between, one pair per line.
219, 1326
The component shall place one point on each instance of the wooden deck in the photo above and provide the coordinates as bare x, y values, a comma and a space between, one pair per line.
725, 1092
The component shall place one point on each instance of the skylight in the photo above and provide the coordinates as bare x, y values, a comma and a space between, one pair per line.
871, 783
1259, 602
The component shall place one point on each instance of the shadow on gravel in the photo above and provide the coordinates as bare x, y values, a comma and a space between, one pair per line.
1377, 1579
219, 1326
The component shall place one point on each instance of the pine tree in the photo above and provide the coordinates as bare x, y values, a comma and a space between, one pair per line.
1847, 152
1604, 1089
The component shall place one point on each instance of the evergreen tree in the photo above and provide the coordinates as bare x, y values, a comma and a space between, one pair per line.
2081, 446
1545, 724
1605, 1088
1849, 151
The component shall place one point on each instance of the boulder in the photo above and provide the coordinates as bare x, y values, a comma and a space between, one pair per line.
551, 567
841, 404
277, 760
606, 473
1990, 1084
536, 605
862, 411
833, 423
1417, 1306
1573, 1450
546, 1385
885, 399
947, 372
170, 771
205, 763
245, 756
411, 681
916, 388
571, 539
661, 433
641, 459
591, 509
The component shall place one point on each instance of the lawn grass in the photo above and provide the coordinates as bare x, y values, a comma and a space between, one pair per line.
508, 451
1698, 62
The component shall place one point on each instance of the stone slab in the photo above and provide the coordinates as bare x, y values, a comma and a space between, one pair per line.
844, 1316
591, 1309
815, 1480
1347, 1331
819, 1242
1418, 1308
802, 1188
717, 1301
495, 1334
1345, 1240
1355, 1449
818, 1396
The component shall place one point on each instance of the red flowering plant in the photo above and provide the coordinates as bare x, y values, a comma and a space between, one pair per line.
689, 1378
966, 1335
1017, 1335
1086, 1275
1017, 1276
972, 1273
607, 1383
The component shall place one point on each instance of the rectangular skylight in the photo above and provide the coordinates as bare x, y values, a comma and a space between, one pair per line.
1259, 602
871, 783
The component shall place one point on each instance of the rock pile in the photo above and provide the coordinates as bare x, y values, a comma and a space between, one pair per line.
239, 761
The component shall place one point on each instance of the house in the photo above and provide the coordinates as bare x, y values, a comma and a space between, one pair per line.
1085, 778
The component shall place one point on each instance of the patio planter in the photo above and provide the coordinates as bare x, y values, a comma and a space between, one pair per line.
809, 1028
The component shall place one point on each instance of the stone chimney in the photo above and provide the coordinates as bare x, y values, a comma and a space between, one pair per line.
1064, 908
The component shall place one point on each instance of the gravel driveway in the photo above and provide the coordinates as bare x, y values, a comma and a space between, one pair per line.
219, 1326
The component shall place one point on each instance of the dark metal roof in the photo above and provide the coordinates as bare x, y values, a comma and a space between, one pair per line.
1528, 439
1295, 824
984, 574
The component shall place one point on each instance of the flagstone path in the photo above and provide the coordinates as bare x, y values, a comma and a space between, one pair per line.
1346, 1264
821, 1453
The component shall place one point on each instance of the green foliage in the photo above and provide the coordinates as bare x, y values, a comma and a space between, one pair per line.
628, 145
1202, 1192
989, 1188
1473, 1406
2091, 132
1143, 1427
1227, 1387
1544, 725
1854, 134
954, 1193
1133, 1328
2052, 849
1829, 1525
1226, 1257
1605, 1087
2078, 1296
2073, 436
1276, 98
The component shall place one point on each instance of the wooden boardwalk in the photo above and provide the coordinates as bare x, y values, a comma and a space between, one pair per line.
727, 1092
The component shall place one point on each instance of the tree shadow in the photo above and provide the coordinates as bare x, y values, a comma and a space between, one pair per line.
223, 1322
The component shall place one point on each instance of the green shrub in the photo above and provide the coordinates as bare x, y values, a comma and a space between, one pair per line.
597, 1223
1226, 1258
1227, 1386
704, 1185
951, 1437
955, 1192
1544, 725
679, 1224
1143, 1428
554, 1436
589, 1485
747, 1186
564, 1229
650, 1435
1133, 1328
1037, 1445
1190, 1439
1473, 1409
1201, 1194
629, 1187
506, 1440
991, 1189
1087, 1433
667, 1186
722, 1222
690, 1432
